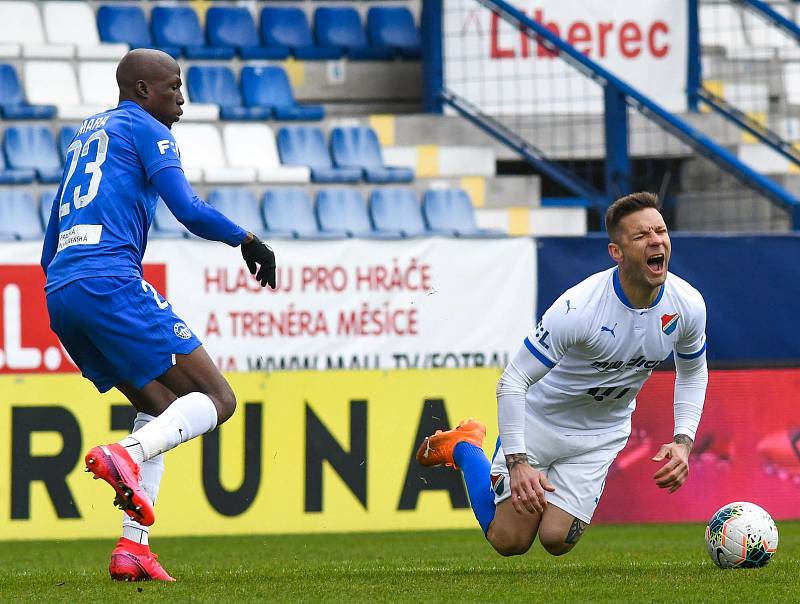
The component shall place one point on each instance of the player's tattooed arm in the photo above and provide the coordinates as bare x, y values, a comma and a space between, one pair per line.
515, 459
575, 531
682, 439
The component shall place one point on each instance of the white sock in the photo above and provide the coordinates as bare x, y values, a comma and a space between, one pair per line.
151, 472
187, 417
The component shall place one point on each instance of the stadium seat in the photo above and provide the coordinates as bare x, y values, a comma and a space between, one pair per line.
290, 213
165, 225
202, 156
341, 27
218, 85
396, 209
98, 83
305, 146
358, 147
393, 27
343, 212
68, 22
65, 137
287, 27
127, 24
269, 87
19, 216
13, 104
33, 148
11, 176
179, 26
233, 27
54, 83
241, 206
46, 206
21, 27
253, 146
450, 211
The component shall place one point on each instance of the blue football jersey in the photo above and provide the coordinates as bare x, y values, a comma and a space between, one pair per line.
106, 201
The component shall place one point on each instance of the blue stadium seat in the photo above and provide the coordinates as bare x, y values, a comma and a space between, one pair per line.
305, 146
287, 26
344, 212
450, 211
393, 27
33, 148
165, 225
341, 27
19, 216
127, 24
65, 137
241, 206
290, 213
233, 27
358, 147
269, 87
11, 176
396, 209
13, 104
179, 26
45, 206
218, 85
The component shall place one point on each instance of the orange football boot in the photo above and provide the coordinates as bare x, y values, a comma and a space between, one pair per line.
131, 561
113, 464
437, 450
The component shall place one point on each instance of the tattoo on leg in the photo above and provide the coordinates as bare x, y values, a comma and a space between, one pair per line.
575, 531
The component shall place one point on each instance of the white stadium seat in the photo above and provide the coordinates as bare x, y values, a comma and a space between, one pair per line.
54, 83
20, 23
68, 22
98, 83
253, 146
202, 156
198, 112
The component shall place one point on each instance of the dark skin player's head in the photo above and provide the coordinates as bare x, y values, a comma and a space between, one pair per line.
151, 79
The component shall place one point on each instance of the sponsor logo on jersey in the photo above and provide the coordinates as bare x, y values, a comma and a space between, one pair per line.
637, 364
669, 322
182, 331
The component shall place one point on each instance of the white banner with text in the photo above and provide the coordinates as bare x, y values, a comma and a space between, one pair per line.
493, 64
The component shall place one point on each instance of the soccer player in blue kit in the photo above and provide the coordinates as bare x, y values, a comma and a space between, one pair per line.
115, 326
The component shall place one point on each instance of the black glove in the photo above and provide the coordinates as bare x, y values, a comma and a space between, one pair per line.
255, 253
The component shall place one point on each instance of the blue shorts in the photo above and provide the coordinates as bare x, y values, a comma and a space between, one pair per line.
118, 329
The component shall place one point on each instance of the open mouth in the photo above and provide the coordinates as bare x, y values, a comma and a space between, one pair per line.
656, 263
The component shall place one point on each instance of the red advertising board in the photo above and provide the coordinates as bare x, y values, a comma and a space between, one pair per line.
747, 449
26, 343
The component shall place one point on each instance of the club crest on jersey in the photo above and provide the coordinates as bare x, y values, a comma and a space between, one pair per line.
669, 322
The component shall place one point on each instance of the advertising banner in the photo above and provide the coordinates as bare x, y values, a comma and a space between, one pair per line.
305, 452
350, 304
333, 451
642, 43
747, 449
357, 304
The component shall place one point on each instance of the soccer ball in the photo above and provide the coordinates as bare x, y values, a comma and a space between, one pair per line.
741, 535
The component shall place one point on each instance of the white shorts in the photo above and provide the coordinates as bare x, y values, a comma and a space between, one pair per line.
575, 464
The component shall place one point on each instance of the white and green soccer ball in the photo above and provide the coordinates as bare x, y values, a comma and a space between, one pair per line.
741, 535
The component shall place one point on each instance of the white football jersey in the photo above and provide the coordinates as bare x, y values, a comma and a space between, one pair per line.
601, 350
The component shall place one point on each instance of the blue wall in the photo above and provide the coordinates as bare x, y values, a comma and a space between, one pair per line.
751, 285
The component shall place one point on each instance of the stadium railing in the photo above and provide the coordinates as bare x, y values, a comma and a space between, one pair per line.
705, 185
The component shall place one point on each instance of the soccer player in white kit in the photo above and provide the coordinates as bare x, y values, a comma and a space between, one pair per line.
566, 398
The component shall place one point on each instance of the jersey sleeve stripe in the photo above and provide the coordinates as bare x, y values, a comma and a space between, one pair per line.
692, 355
535, 352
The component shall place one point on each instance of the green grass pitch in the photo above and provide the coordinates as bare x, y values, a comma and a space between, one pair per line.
655, 563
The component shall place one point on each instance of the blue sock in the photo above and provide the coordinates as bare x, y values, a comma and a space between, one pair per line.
476, 469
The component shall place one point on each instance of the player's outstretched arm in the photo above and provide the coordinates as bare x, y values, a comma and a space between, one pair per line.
200, 218
527, 484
